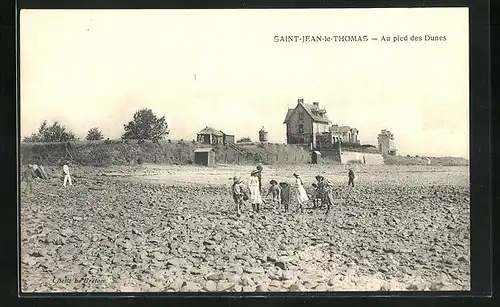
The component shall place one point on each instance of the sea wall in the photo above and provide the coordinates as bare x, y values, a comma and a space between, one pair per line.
350, 157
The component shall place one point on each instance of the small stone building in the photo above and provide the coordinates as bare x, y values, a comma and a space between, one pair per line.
316, 157
204, 156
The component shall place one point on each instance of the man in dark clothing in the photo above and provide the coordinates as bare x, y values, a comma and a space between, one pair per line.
285, 195
351, 178
259, 176
27, 176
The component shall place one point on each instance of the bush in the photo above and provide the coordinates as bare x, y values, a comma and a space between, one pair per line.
145, 125
51, 133
94, 134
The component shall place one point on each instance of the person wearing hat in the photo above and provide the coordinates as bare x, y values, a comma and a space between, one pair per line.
316, 196
67, 176
238, 192
27, 176
285, 195
351, 178
275, 192
300, 192
259, 176
255, 196
325, 192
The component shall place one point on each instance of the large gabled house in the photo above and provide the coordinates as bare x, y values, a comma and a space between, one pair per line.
305, 122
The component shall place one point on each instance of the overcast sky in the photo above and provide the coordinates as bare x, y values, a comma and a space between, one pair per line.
89, 68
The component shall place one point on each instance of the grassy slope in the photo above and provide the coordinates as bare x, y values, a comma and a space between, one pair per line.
176, 152
181, 152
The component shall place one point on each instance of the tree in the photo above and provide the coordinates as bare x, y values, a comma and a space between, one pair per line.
244, 140
146, 126
51, 133
94, 134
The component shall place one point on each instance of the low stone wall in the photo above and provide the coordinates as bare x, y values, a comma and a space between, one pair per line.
350, 157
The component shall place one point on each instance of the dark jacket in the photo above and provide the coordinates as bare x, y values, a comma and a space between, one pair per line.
285, 193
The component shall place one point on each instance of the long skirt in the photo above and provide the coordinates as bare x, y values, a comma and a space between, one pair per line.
255, 196
301, 195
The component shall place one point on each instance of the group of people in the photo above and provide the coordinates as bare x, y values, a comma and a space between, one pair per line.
34, 171
280, 193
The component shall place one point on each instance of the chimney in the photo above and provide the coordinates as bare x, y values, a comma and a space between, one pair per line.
316, 104
301, 100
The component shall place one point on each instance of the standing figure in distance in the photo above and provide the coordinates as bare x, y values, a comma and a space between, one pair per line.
27, 176
285, 195
275, 192
315, 195
255, 196
351, 178
238, 192
300, 192
67, 176
325, 191
259, 176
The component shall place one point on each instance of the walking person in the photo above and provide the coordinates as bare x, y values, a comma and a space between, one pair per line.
351, 178
27, 176
253, 186
325, 192
275, 192
238, 192
67, 176
300, 192
285, 195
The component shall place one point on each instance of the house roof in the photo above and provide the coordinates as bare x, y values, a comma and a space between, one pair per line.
344, 128
309, 109
288, 115
317, 152
210, 130
204, 149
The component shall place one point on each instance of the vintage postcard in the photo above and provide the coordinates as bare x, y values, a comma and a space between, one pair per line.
244, 151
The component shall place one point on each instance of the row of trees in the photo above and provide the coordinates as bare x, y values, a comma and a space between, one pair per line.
145, 125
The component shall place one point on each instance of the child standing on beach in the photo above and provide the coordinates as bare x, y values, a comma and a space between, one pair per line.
300, 192
275, 192
238, 192
255, 196
285, 195
27, 176
315, 195
325, 189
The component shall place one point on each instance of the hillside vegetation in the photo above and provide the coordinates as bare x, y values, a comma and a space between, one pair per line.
119, 152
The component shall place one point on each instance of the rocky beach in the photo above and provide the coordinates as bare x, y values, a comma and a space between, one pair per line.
154, 228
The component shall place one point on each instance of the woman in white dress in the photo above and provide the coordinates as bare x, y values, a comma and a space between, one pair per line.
253, 186
300, 192
67, 176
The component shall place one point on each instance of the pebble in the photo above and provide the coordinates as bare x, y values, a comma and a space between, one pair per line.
271, 250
